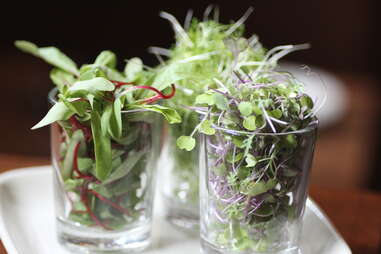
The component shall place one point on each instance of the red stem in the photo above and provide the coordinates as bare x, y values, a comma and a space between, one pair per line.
119, 83
85, 201
75, 160
76, 169
77, 125
109, 202
160, 95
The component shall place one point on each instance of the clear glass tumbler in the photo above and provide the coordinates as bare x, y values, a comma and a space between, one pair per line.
253, 190
113, 215
180, 174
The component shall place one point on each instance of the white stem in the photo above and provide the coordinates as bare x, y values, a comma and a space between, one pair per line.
177, 27
159, 51
188, 19
239, 22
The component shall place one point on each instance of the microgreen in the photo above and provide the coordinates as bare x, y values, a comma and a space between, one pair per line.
248, 112
104, 148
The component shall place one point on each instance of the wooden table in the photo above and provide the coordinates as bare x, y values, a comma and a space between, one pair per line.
355, 213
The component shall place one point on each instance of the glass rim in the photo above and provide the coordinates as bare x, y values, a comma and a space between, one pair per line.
311, 127
52, 96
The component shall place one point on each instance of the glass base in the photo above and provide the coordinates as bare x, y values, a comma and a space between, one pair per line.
82, 240
208, 248
181, 215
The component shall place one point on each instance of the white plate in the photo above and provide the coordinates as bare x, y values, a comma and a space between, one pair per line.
318, 84
27, 221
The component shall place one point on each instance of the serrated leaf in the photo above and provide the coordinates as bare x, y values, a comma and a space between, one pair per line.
170, 114
249, 123
58, 112
206, 127
250, 161
186, 142
246, 108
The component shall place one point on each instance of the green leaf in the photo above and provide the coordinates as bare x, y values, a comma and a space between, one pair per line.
127, 165
51, 55
84, 164
206, 127
306, 101
27, 47
167, 76
78, 107
92, 86
55, 57
221, 101
254, 189
102, 147
205, 99
58, 112
290, 141
133, 67
250, 161
67, 166
105, 119
115, 126
61, 79
237, 157
106, 58
170, 114
245, 108
257, 110
249, 123
276, 113
90, 97
238, 142
90, 72
186, 142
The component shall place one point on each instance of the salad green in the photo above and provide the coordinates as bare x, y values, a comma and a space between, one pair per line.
105, 122
205, 55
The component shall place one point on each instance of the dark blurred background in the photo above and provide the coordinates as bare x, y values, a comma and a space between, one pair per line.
345, 41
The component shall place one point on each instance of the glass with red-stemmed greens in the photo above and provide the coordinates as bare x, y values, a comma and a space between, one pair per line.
111, 212
105, 133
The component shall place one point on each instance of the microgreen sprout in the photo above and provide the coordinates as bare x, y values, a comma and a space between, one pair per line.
103, 150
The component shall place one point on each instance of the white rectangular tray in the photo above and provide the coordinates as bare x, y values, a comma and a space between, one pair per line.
27, 224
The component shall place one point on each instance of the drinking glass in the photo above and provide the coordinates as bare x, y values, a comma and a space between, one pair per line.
253, 190
112, 215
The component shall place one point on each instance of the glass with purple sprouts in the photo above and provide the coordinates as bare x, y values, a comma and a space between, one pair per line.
254, 205
257, 143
